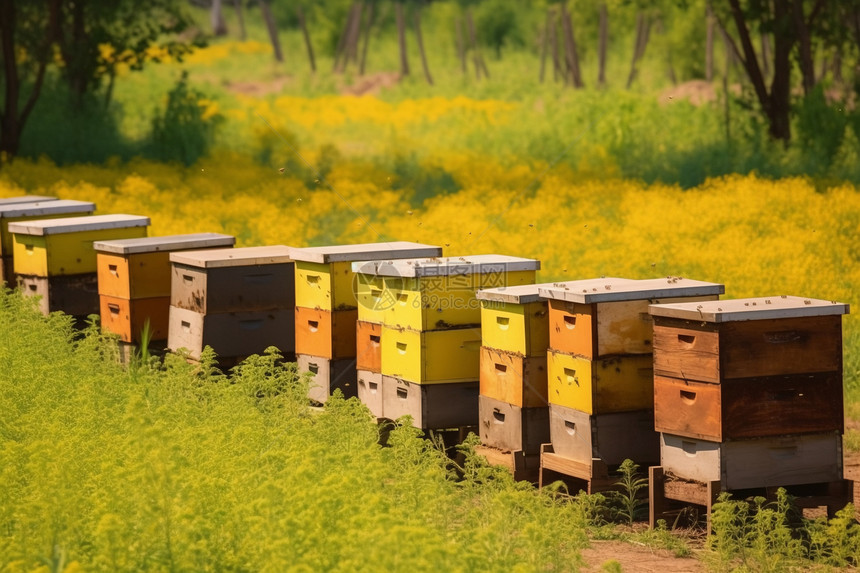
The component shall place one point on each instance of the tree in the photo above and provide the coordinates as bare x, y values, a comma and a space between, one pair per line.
92, 38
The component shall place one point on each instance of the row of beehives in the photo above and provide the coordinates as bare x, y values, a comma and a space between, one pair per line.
760, 378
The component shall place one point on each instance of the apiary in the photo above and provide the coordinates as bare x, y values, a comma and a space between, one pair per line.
432, 406
134, 281
328, 375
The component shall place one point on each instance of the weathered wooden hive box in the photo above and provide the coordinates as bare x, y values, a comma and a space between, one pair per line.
238, 301
54, 258
36, 207
513, 405
600, 364
431, 334
749, 391
134, 281
330, 297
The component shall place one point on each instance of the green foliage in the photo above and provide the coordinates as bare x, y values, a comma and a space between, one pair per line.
631, 502
498, 24
182, 131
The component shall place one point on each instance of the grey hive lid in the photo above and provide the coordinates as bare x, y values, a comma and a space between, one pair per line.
520, 294
77, 224
446, 266
166, 243
612, 289
44, 208
761, 308
26, 199
242, 257
365, 252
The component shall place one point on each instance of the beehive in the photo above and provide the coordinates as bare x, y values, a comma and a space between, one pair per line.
609, 384
518, 380
612, 438
53, 247
749, 391
432, 406
134, 281
508, 428
368, 346
604, 317
432, 357
238, 301
328, 375
26, 199
324, 276
326, 333
76, 295
439, 293
40, 209
515, 320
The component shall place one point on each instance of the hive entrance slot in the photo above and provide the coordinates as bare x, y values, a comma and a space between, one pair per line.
187, 279
314, 279
112, 269
686, 339
401, 347
501, 368
313, 325
570, 322
374, 339
499, 417
113, 308
687, 396
402, 393
186, 326
313, 368
503, 322
570, 427
372, 386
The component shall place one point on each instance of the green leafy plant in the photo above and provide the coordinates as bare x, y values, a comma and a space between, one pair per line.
629, 499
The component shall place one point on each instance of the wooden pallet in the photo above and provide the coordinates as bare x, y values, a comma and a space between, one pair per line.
524, 467
665, 489
595, 475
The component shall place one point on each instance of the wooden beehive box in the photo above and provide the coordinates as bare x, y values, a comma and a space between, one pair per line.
234, 280
326, 333
612, 438
754, 463
53, 247
512, 428
324, 275
370, 391
372, 297
140, 268
748, 368
231, 334
76, 295
439, 293
603, 317
368, 346
515, 319
38, 209
328, 375
127, 318
600, 386
746, 338
432, 357
432, 406
518, 380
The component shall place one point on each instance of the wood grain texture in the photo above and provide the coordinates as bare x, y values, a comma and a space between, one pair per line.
686, 350
232, 289
573, 328
515, 379
432, 406
511, 428
330, 334
368, 346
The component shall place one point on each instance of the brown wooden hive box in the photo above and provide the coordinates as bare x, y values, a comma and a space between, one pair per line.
370, 391
513, 378
511, 428
328, 375
432, 406
368, 346
326, 333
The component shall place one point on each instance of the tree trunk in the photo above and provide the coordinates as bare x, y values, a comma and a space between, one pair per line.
473, 38
765, 55
368, 28
219, 26
544, 42
570, 47
237, 4
354, 35
804, 41
709, 43
603, 44
341, 55
416, 21
643, 31
401, 39
266, 11
461, 47
556, 61
300, 14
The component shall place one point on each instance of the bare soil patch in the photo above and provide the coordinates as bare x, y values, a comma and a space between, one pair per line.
258, 89
371, 84
634, 558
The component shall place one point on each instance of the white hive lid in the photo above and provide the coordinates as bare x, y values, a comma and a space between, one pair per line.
77, 224
365, 252
760, 308
520, 294
612, 289
43, 208
446, 266
242, 257
26, 199
165, 243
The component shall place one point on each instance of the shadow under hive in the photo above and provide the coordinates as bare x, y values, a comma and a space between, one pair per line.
55, 259
327, 310
600, 372
238, 301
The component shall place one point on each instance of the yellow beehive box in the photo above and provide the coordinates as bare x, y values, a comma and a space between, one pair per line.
140, 268
602, 386
608, 316
435, 357
37, 209
54, 247
439, 293
515, 319
373, 297
324, 276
